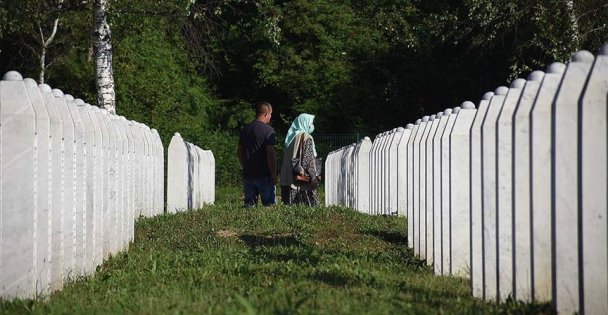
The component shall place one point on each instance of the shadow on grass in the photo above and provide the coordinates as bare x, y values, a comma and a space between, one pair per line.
389, 237
270, 240
332, 278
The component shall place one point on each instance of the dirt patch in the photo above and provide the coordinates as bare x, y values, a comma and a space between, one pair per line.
226, 233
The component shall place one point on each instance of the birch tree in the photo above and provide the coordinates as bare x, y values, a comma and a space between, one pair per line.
574, 29
41, 22
45, 42
102, 49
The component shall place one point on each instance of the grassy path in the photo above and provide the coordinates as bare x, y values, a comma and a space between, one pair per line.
281, 260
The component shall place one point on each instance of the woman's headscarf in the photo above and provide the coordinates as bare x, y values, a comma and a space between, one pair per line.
302, 123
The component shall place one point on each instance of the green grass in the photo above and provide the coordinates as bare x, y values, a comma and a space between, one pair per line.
224, 259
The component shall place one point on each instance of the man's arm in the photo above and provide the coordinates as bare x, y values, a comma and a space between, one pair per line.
239, 153
271, 159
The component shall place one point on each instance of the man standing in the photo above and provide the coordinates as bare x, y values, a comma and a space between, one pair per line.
258, 158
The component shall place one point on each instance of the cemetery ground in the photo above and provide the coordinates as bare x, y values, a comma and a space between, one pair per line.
223, 259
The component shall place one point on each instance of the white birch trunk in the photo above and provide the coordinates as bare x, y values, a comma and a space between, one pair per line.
102, 47
45, 44
574, 30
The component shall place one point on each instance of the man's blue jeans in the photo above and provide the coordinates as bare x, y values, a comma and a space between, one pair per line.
259, 186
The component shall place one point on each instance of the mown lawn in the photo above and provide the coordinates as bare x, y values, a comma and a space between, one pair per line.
223, 259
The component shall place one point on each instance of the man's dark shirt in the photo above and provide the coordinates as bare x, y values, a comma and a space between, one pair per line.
254, 138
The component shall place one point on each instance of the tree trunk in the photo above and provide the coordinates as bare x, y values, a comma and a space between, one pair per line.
45, 44
573, 20
102, 48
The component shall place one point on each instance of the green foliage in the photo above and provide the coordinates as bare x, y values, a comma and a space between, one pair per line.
363, 67
223, 259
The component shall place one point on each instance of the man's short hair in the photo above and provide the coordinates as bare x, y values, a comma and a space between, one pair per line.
262, 108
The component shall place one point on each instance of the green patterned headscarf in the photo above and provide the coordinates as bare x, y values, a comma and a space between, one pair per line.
302, 123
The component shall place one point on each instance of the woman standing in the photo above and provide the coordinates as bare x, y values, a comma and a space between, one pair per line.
300, 149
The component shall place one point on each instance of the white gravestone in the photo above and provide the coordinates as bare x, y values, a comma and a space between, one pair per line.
334, 176
120, 189
191, 177
445, 192
375, 184
355, 170
110, 221
56, 168
363, 174
442, 117
202, 172
211, 177
594, 187
177, 175
150, 170
128, 185
385, 197
375, 174
374, 170
333, 179
402, 171
145, 170
489, 198
489, 216
351, 179
17, 208
137, 168
384, 173
329, 184
410, 184
160, 179
430, 210
123, 212
344, 175
155, 161
417, 191
541, 147
148, 148
476, 198
522, 250
566, 183
114, 185
196, 202
130, 180
345, 166
43, 206
504, 190
334, 167
87, 189
79, 187
102, 175
391, 192
208, 176
339, 173
94, 115
67, 188
460, 191
423, 189
339, 180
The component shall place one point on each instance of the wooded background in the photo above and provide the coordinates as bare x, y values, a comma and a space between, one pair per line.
363, 67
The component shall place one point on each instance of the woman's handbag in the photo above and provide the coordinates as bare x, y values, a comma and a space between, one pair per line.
296, 165
299, 175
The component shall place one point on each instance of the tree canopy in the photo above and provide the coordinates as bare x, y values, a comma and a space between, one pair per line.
195, 66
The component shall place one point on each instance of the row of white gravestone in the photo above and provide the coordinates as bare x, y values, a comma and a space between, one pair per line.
367, 174
191, 176
73, 179
513, 194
